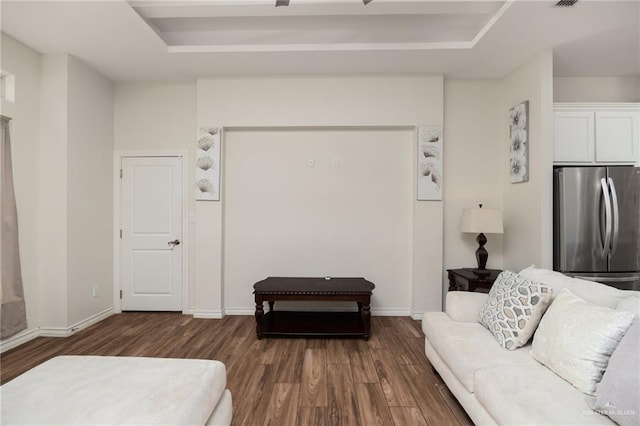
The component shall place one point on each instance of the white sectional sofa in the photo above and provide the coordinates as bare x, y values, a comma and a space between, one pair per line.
497, 386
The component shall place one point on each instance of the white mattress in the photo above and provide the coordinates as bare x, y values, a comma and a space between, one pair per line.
117, 390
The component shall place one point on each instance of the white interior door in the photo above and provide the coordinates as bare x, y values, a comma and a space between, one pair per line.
151, 226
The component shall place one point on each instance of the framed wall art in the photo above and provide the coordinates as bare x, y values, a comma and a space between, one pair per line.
208, 164
519, 143
429, 163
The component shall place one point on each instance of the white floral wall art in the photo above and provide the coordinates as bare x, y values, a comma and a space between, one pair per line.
519, 143
208, 164
429, 163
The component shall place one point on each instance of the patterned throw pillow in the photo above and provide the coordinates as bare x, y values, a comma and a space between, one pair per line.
514, 309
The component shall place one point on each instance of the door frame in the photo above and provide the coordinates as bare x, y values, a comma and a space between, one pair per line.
118, 155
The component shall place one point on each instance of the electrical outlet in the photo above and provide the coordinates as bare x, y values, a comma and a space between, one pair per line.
95, 291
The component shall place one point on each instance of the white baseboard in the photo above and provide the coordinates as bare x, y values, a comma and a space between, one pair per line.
26, 336
18, 339
390, 312
80, 325
417, 315
209, 314
55, 331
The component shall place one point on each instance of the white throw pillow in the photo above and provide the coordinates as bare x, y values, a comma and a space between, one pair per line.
514, 309
618, 393
575, 339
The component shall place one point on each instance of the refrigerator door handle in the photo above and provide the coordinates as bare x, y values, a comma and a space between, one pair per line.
616, 216
606, 246
562, 252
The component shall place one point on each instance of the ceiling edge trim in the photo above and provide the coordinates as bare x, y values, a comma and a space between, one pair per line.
491, 22
339, 47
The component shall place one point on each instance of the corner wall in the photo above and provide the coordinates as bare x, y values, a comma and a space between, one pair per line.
528, 206
62, 134
90, 189
52, 154
472, 166
75, 232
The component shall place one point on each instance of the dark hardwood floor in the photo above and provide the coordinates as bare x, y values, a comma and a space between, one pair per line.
385, 381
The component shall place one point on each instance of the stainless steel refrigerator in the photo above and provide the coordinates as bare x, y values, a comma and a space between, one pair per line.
596, 224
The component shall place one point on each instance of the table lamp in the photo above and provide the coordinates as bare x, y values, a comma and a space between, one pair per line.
481, 221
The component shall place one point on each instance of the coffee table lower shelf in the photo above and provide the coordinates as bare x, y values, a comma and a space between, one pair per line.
313, 324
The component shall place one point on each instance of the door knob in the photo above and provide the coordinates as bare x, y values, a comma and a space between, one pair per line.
173, 243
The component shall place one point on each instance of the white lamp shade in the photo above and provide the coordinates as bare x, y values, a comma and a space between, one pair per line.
479, 220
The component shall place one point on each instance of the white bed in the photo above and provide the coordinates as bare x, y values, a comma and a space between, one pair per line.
118, 390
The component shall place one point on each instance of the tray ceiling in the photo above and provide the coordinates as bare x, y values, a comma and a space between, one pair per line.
183, 40
225, 26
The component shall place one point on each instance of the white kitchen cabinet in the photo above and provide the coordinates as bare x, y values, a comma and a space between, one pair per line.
596, 133
617, 136
573, 136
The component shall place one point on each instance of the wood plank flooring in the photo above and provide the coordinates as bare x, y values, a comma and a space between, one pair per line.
385, 381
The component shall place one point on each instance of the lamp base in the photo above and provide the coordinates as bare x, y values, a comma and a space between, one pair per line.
481, 253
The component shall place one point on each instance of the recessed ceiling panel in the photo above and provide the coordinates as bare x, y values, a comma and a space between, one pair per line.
318, 25
319, 29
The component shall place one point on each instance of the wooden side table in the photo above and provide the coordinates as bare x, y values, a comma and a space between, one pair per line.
318, 324
467, 280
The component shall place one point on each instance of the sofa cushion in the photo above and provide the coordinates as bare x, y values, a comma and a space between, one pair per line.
467, 347
514, 309
465, 305
597, 293
576, 338
532, 395
618, 394
630, 304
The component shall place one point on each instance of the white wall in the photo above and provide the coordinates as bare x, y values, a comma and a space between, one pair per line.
596, 89
527, 207
472, 166
162, 116
75, 157
24, 63
283, 218
321, 102
477, 165
152, 116
52, 187
90, 189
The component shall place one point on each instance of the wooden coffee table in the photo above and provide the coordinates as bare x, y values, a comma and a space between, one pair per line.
324, 324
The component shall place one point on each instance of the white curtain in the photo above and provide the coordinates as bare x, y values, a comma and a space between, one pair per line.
13, 314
